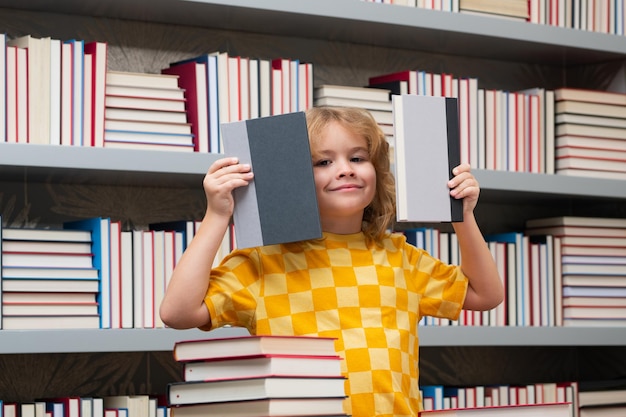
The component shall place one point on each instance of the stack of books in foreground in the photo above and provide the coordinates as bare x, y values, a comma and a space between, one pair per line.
250, 376
590, 273
590, 129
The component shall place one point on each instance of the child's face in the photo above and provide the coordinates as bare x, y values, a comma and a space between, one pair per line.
345, 178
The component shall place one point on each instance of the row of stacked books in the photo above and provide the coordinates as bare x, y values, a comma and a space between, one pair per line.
567, 399
590, 129
499, 130
146, 111
182, 108
255, 376
563, 399
564, 271
62, 93
591, 15
566, 131
376, 100
504, 400
224, 88
89, 274
561, 271
140, 405
589, 268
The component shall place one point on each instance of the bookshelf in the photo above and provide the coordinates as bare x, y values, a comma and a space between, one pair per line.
112, 166
138, 340
99, 165
502, 53
368, 23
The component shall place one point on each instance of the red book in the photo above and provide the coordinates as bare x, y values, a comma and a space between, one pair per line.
98, 51
395, 76
193, 79
71, 405
409, 76
11, 94
281, 85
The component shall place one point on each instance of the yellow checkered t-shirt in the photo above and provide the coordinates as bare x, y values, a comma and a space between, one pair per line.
369, 297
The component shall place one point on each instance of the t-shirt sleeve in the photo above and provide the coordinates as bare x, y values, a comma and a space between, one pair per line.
443, 287
231, 297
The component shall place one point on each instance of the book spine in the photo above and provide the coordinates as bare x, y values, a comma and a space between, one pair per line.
454, 153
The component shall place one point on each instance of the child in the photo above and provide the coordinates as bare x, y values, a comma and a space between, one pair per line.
358, 283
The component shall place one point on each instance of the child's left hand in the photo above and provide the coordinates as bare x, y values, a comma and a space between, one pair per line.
464, 185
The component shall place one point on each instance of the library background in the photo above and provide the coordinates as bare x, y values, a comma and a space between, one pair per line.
110, 118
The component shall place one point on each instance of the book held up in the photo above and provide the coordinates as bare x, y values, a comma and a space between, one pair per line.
280, 204
427, 148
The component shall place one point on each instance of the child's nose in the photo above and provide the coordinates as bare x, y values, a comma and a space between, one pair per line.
346, 169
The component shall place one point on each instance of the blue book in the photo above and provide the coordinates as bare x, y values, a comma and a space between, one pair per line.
213, 98
416, 237
187, 227
78, 87
100, 229
435, 392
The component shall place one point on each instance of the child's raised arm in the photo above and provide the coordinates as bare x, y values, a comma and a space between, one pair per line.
183, 305
485, 289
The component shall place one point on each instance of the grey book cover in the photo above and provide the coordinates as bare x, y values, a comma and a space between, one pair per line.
280, 204
427, 148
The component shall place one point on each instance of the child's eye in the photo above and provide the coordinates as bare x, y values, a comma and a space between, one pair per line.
322, 163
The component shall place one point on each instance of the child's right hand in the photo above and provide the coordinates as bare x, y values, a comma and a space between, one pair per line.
223, 176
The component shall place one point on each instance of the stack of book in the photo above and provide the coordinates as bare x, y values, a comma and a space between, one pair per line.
590, 268
146, 111
376, 100
510, 9
590, 132
602, 398
251, 376
48, 280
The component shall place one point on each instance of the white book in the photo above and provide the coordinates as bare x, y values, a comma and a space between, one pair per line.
67, 95
126, 283
426, 146
138, 291
148, 279
159, 274
116, 230
55, 92
3, 86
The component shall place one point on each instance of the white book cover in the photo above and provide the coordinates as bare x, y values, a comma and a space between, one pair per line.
427, 148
